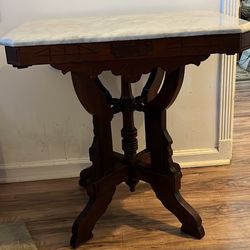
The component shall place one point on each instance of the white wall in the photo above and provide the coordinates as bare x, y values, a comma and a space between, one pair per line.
15, 12
45, 133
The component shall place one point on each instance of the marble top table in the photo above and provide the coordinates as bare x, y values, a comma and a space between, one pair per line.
129, 45
123, 27
103, 38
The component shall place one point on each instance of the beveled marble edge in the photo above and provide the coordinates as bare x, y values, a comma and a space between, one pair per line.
123, 27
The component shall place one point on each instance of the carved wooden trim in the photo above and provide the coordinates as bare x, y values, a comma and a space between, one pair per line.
111, 51
132, 70
164, 100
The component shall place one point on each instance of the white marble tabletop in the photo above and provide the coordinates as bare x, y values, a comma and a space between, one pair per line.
123, 27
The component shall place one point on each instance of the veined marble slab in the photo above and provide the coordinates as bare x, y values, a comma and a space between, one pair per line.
123, 27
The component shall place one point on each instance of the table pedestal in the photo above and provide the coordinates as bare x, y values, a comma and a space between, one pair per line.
153, 165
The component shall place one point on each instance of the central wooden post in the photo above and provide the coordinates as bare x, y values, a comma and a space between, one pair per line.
129, 132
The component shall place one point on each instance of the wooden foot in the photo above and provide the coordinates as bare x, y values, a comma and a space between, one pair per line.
197, 232
166, 190
99, 200
86, 176
132, 182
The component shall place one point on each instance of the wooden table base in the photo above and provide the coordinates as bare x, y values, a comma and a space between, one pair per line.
153, 165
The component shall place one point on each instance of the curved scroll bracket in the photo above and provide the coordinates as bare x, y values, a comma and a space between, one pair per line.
153, 84
172, 83
90, 95
169, 90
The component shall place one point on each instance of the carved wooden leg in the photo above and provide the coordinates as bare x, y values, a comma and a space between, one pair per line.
100, 153
166, 180
86, 175
99, 200
100, 189
166, 187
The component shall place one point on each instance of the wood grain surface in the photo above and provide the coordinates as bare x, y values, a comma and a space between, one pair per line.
138, 220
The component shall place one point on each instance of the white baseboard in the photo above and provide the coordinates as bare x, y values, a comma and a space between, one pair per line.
202, 157
44, 170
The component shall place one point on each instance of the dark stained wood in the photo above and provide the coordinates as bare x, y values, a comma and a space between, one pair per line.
149, 92
97, 101
162, 173
101, 154
129, 132
153, 84
85, 222
155, 122
94, 102
130, 68
127, 50
164, 58
100, 194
